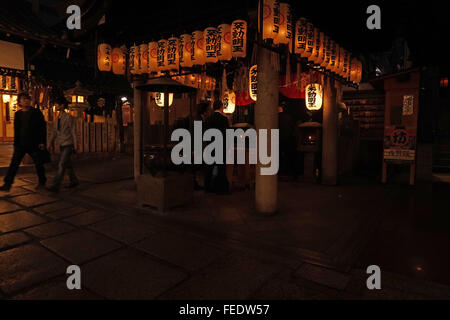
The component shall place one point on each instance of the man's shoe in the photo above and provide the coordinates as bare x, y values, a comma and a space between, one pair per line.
5, 187
72, 185
53, 189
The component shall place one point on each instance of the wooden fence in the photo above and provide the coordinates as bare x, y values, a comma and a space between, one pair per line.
94, 137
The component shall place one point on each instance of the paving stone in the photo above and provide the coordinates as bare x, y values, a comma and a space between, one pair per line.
6, 206
323, 276
14, 192
19, 220
32, 200
64, 213
123, 228
12, 239
80, 246
129, 274
57, 290
185, 252
50, 229
26, 266
52, 207
293, 289
229, 278
89, 217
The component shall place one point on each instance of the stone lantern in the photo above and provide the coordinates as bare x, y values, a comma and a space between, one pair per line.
77, 98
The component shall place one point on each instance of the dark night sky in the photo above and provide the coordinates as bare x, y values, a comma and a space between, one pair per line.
343, 20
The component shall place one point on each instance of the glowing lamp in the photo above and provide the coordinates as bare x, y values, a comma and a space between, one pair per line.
104, 61
184, 48
153, 57
271, 19
239, 39
118, 61
229, 102
143, 61
210, 35
198, 48
172, 55
162, 55
285, 30
253, 82
224, 42
159, 99
314, 96
300, 37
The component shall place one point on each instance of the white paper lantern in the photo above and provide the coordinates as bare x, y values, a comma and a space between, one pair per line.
172, 55
253, 82
159, 99
210, 35
239, 39
224, 42
118, 61
162, 55
198, 48
153, 57
104, 61
184, 49
314, 97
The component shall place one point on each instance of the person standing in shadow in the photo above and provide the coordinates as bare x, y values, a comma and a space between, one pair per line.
30, 136
216, 174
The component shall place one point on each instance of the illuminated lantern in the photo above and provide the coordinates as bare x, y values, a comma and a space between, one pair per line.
355, 70
345, 64
309, 40
328, 53
153, 57
323, 49
104, 57
349, 64
198, 48
253, 82
162, 55
210, 36
316, 48
172, 54
340, 65
229, 102
333, 57
271, 19
159, 99
300, 37
118, 61
143, 52
132, 59
314, 96
239, 39
285, 30
224, 42
184, 48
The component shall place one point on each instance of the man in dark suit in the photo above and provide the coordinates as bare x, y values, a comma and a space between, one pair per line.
30, 136
216, 174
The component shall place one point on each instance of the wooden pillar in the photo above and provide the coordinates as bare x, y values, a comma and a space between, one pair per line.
266, 117
330, 134
137, 130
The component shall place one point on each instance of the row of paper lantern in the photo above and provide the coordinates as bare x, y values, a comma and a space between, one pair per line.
307, 41
209, 46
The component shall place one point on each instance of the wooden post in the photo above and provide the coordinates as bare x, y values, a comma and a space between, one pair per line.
137, 128
330, 134
266, 117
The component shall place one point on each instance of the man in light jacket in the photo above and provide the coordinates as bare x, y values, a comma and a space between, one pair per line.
65, 136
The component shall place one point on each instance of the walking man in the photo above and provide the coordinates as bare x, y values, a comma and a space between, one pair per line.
30, 136
65, 136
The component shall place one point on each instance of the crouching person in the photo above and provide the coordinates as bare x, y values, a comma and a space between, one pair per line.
64, 135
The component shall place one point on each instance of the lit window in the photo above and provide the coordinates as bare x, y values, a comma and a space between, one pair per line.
444, 82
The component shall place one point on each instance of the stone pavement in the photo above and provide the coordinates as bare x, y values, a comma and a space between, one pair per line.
215, 249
